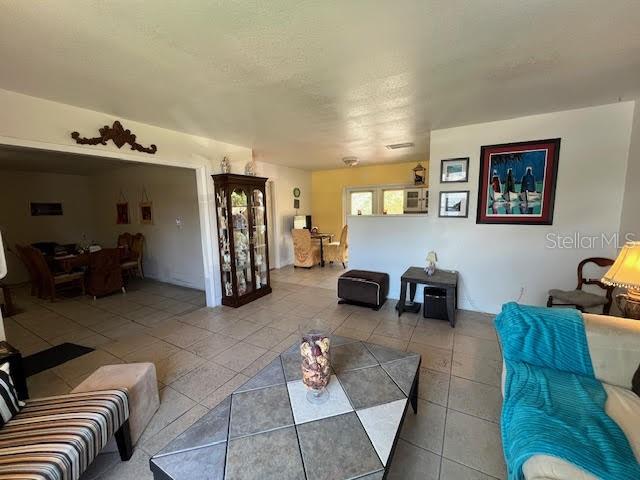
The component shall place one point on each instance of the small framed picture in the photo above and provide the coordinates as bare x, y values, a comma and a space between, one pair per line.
122, 213
146, 213
454, 204
454, 170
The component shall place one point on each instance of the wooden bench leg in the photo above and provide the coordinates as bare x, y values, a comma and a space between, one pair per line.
123, 440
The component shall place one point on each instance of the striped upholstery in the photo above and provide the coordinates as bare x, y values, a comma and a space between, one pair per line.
56, 438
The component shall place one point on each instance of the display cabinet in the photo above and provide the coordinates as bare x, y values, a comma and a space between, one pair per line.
242, 237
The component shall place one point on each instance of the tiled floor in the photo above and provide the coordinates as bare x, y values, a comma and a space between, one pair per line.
203, 354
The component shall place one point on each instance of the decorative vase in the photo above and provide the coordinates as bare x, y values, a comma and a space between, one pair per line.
316, 365
250, 168
225, 166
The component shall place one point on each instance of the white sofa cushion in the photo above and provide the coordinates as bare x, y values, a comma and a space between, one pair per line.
623, 406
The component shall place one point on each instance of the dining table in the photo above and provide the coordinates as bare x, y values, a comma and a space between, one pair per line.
73, 261
321, 237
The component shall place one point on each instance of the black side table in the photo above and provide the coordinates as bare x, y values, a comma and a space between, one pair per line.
444, 279
14, 357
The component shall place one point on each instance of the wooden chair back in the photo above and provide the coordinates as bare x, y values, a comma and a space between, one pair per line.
105, 274
601, 262
343, 241
45, 276
124, 240
137, 246
34, 278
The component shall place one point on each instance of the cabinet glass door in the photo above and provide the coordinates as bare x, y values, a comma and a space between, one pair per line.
260, 252
240, 218
223, 241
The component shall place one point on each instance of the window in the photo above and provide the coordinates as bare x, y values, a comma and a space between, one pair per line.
362, 203
392, 202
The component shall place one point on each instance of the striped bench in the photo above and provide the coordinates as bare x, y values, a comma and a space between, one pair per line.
57, 438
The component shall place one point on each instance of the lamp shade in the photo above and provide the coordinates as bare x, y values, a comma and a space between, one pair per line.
625, 272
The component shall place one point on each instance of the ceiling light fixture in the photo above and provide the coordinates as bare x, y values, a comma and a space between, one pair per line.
351, 161
396, 146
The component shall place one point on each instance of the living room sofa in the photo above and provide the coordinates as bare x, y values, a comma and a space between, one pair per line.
614, 347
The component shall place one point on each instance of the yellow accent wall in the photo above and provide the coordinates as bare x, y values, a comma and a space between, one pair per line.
327, 187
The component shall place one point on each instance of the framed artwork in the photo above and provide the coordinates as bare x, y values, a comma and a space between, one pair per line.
122, 213
454, 204
454, 170
517, 182
146, 213
40, 209
296, 203
296, 192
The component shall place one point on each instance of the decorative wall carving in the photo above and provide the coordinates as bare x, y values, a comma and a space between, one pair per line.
118, 135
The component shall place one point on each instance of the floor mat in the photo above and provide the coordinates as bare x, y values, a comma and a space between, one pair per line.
52, 357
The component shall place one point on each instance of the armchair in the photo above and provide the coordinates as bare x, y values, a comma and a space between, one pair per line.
306, 252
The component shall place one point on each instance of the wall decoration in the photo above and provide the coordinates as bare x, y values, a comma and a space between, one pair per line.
122, 213
146, 209
454, 170
146, 213
296, 192
518, 182
118, 135
225, 165
419, 174
296, 203
39, 209
454, 204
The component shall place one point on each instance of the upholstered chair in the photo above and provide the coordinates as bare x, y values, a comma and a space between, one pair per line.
306, 252
338, 251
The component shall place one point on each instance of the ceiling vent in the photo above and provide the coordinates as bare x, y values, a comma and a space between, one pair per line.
351, 161
397, 146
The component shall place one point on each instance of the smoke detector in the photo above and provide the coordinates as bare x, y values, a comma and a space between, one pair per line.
350, 161
397, 146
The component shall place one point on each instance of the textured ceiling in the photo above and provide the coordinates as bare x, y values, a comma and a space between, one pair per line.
305, 83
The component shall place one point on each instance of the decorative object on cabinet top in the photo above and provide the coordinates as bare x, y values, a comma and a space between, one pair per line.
118, 135
225, 165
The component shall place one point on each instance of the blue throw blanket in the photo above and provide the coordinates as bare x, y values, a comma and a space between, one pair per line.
553, 405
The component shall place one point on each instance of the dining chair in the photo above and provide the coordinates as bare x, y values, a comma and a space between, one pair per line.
34, 278
338, 251
136, 252
49, 282
306, 252
105, 273
124, 240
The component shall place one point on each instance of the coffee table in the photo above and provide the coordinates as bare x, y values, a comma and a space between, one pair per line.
267, 429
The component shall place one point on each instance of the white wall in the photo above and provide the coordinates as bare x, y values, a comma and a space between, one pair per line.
630, 218
284, 179
172, 253
17, 189
38, 123
499, 263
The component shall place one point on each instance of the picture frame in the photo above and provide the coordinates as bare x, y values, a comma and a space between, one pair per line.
45, 209
517, 182
122, 213
454, 204
454, 170
146, 213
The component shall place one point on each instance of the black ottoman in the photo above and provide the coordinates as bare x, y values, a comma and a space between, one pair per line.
364, 288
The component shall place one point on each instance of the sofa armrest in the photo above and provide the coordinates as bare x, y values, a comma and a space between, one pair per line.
614, 347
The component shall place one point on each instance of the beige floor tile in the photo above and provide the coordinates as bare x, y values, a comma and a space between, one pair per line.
476, 328
362, 323
182, 335
137, 468
433, 358
477, 347
478, 399
434, 386
267, 337
153, 353
240, 330
88, 363
426, 429
414, 463
110, 324
239, 357
203, 380
213, 345
478, 369
454, 471
352, 333
125, 345
126, 329
436, 335
395, 330
264, 360
292, 339
475, 443
173, 405
177, 365
46, 384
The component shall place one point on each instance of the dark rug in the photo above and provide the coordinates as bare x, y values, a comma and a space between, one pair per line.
52, 357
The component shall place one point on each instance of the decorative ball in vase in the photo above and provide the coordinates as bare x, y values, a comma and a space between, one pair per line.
316, 365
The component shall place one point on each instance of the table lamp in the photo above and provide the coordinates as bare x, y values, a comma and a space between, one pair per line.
625, 273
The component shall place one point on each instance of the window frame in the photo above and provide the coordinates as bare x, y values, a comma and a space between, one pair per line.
378, 198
